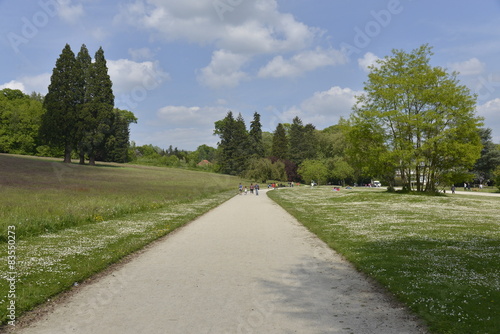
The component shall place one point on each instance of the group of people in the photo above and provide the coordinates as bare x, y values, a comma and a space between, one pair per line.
253, 188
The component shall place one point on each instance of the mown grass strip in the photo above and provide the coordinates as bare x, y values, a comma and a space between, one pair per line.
51, 263
439, 255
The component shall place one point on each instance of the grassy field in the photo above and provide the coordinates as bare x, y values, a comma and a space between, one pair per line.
40, 196
63, 223
438, 254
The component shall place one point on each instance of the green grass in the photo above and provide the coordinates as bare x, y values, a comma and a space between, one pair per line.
438, 254
42, 196
74, 221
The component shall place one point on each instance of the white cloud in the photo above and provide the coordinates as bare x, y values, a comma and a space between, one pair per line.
472, 66
301, 63
240, 32
128, 75
369, 59
13, 84
325, 108
224, 71
189, 116
250, 27
28, 84
68, 12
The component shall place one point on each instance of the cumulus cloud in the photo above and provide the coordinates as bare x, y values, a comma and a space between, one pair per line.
224, 71
251, 27
324, 108
239, 31
128, 75
472, 66
302, 62
14, 84
369, 59
28, 84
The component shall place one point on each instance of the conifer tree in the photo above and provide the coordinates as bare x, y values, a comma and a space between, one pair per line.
255, 137
97, 110
58, 123
280, 143
83, 65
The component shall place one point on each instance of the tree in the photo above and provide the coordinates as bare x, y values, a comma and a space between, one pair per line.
83, 67
118, 142
58, 123
255, 137
417, 118
490, 157
97, 110
313, 170
280, 143
302, 141
233, 145
264, 169
20, 118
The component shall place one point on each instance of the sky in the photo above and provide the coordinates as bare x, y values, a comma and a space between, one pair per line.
180, 66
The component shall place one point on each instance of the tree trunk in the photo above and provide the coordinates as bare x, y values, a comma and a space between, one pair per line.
82, 158
67, 154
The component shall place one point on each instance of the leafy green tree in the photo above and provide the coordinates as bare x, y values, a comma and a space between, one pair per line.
255, 137
339, 169
496, 175
97, 111
58, 123
264, 169
20, 118
280, 143
418, 118
313, 170
205, 152
490, 157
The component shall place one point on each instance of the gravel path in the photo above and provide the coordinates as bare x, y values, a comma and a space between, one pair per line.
245, 267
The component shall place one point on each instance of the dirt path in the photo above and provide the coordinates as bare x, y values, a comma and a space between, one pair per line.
245, 267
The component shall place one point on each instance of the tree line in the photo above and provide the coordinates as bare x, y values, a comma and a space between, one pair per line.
414, 126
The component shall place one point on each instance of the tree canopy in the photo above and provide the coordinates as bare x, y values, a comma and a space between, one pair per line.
416, 120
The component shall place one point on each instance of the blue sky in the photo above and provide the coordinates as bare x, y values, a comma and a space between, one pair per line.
181, 65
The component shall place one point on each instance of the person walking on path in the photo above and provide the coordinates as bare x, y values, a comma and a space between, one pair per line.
257, 189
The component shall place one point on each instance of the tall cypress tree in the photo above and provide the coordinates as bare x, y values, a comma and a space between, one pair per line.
255, 137
97, 111
83, 65
58, 123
